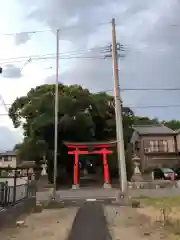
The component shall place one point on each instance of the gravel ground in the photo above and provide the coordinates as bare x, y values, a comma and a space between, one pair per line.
126, 223
47, 225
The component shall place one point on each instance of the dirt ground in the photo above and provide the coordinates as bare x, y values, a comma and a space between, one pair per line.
47, 225
127, 223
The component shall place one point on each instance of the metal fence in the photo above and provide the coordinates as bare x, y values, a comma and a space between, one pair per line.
15, 187
10, 195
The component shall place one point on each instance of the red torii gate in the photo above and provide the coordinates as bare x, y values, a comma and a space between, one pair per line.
86, 148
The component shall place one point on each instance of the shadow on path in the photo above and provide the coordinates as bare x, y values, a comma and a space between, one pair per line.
90, 224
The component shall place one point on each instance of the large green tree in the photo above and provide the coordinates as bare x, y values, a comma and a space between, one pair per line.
83, 116
145, 121
173, 124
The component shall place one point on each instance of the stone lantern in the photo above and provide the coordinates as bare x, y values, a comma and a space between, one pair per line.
137, 177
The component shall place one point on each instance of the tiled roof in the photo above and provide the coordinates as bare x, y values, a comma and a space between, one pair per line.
152, 129
8, 153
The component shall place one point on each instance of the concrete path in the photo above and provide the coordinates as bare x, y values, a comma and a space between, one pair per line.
90, 224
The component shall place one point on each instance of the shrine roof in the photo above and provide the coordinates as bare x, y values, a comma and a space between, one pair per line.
92, 144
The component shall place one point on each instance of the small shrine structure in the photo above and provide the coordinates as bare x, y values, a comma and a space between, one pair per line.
85, 148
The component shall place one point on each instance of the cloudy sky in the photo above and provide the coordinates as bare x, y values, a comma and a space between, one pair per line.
148, 29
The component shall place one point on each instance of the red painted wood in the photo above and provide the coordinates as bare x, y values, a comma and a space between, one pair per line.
106, 168
76, 169
104, 145
103, 151
80, 152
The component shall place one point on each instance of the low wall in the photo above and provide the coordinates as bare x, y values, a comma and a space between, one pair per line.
9, 215
153, 184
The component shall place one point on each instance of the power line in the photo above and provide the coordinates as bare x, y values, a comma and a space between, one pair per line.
144, 89
68, 55
52, 30
131, 105
125, 106
150, 89
141, 49
62, 58
25, 32
101, 49
175, 25
153, 106
80, 53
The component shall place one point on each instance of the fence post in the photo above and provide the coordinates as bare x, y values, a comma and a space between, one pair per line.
1, 194
5, 190
14, 187
27, 190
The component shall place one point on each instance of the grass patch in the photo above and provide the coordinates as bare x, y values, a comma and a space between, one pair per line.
167, 211
160, 201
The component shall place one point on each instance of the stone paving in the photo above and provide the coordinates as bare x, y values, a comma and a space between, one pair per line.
90, 223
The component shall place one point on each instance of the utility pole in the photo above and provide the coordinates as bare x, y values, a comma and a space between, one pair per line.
118, 113
56, 116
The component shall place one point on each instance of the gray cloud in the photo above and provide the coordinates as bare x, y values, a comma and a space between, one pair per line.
60, 14
21, 38
149, 30
11, 71
8, 138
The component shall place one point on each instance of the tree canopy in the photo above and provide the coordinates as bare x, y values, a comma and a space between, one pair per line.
83, 116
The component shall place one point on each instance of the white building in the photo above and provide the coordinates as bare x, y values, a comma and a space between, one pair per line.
8, 159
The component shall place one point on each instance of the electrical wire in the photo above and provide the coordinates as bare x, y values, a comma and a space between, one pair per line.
174, 25
150, 89
126, 106
62, 58
68, 55
101, 49
64, 55
130, 105
3, 103
133, 89
80, 53
73, 55
144, 89
153, 106
60, 29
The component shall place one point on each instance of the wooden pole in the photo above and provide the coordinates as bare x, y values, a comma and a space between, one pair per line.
118, 113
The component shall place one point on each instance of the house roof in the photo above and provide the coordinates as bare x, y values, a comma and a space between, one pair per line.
27, 164
152, 129
8, 153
